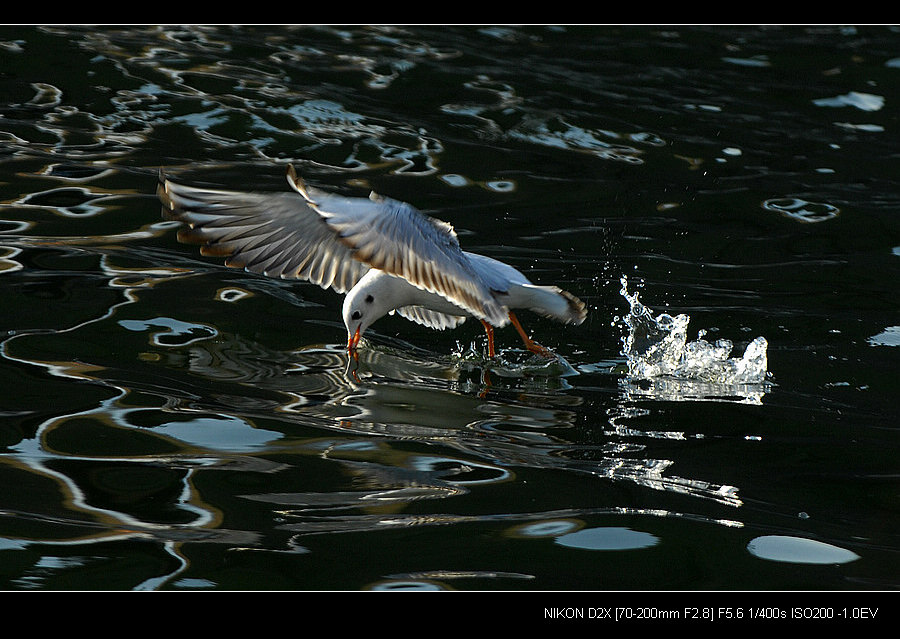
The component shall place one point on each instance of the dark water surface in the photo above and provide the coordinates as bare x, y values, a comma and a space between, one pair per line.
168, 423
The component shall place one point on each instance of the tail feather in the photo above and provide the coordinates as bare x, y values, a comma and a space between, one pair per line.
555, 303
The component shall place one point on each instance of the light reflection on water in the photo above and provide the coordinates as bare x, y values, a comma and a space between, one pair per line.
402, 397
156, 399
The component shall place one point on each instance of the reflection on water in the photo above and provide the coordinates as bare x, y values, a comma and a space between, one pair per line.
796, 550
801, 210
169, 424
612, 538
888, 337
487, 431
406, 426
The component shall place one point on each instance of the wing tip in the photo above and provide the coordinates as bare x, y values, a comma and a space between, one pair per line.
162, 192
577, 308
296, 183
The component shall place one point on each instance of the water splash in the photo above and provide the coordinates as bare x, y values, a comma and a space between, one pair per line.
656, 347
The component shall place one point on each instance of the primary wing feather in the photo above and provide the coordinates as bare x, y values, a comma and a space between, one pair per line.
276, 234
396, 238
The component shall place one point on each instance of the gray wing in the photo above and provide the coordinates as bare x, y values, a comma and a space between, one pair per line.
394, 237
276, 234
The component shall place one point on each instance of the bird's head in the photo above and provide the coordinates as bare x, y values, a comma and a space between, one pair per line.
361, 309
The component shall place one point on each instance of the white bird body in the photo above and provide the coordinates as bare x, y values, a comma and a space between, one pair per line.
384, 254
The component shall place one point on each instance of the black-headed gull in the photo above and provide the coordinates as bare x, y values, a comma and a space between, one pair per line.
384, 254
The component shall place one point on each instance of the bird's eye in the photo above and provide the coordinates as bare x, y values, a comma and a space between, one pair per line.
369, 299
356, 315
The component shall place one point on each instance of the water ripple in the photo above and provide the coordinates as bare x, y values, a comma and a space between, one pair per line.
801, 210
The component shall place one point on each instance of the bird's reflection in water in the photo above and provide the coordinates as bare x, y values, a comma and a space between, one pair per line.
384, 390
409, 425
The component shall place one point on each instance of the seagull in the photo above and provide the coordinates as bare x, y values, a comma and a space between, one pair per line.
385, 255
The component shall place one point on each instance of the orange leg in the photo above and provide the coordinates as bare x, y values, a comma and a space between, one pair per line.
490, 335
530, 344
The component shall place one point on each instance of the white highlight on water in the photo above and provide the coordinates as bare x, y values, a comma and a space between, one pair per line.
862, 101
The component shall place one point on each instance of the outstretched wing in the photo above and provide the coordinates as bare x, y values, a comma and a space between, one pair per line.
276, 234
394, 237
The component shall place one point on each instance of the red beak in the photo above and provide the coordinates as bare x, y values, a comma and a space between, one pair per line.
353, 341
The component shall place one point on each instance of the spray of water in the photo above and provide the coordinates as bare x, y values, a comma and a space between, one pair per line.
656, 348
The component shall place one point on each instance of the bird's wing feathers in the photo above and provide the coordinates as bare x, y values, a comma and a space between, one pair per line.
278, 234
331, 240
394, 237
429, 318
